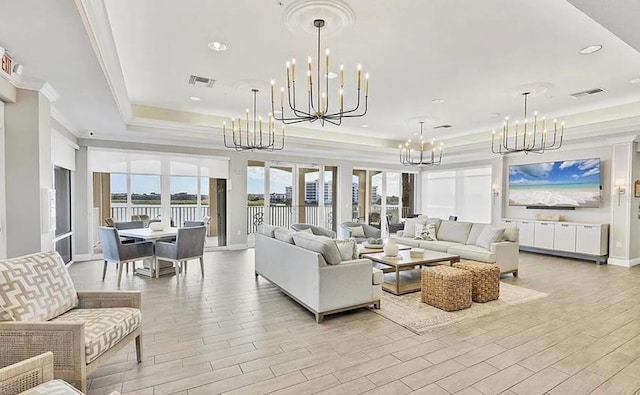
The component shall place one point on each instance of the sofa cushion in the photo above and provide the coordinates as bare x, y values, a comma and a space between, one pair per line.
285, 235
473, 253
321, 244
267, 230
476, 229
377, 277
454, 231
510, 234
52, 387
490, 234
348, 249
356, 231
438, 245
103, 328
35, 287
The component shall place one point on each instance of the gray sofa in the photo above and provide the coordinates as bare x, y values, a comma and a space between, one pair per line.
305, 275
459, 238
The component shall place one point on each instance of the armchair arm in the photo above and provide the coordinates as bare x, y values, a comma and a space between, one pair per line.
507, 255
26, 374
166, 250
22, 340
102, 299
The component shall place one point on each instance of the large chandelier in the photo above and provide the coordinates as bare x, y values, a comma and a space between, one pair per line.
246, 135
528, 138
318, 106
426, 154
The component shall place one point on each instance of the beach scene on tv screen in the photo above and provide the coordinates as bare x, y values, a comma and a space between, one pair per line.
574, 183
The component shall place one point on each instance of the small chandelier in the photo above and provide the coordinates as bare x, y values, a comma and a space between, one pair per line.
427, 154
529, 138
253, 138
317, 106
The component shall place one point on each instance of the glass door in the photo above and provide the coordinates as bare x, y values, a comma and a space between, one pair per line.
63, 235
310, 195
281, 196
330, 190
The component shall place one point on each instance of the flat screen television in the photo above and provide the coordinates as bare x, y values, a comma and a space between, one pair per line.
569, 183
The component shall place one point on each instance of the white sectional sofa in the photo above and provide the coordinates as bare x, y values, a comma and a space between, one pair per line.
307, 278
459, 238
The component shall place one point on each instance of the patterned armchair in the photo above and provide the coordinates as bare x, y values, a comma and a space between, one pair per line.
34, 376
40, 311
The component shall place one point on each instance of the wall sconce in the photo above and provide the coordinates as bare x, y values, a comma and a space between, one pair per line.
620, 188
495, 191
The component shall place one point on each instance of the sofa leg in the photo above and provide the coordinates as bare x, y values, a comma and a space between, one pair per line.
120, 267
515, 274
376, 305
104, 270
139, 348
319, 318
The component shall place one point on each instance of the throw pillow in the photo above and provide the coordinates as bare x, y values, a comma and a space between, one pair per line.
321, 244
35, 287
428, 233
476, 229
267, 230
285, 235
356, 231
410, 228
422, 219
348, 249
510, 234
308, 230
490, 234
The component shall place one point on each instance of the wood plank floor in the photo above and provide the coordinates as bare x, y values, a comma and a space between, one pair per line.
228, 333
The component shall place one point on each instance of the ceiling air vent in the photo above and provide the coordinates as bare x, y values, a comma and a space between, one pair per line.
589, 92
445, 126
201, 81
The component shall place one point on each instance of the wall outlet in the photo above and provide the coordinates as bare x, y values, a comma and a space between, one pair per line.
618, 244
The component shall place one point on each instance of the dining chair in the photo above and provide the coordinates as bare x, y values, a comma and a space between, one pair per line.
119, 253
144, 218
189, 245
191, 224
110, 222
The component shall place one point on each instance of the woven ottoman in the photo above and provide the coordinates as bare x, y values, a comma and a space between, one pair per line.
446, 288
486, 280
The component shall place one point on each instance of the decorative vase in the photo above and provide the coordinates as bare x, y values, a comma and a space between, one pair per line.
391, 248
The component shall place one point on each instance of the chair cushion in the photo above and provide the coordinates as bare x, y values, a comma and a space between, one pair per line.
356, 231
378, 276
476, 229
305, 230
474, 253
285, 235
52, 387
321, 244
35, 287
103, 328
454, 231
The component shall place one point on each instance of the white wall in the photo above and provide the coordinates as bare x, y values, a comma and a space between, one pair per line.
589, 215
3, 207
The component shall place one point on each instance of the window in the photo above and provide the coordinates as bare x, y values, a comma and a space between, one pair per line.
393, 197
145, 195
119, 197
184, 199
464, 193
62, 179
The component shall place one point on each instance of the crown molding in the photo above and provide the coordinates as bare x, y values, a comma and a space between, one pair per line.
96, 22
35, 84
64, 121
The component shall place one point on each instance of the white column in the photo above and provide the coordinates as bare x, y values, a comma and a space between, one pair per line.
621, 205
3, 207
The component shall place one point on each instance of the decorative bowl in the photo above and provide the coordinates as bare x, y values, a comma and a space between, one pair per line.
157, 226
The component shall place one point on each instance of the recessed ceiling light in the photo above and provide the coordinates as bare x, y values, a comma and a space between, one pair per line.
194, 98
437, 101
590, 49
364, 126
635, 80
331, 75
217, 46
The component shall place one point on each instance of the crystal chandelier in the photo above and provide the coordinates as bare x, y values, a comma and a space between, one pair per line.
317, 106
528, 138
427, 154
252, 137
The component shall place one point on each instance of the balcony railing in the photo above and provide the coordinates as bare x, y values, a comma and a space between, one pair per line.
179, 212
284, 216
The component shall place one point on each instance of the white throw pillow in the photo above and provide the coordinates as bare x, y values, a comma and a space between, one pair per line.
348, 249
422, 220
420, 229
285, 235
410, 228
490, 234
356, 231
308, 230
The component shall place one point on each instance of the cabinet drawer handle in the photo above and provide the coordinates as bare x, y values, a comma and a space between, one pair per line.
588, 227
544, 224
565, 226
526, 223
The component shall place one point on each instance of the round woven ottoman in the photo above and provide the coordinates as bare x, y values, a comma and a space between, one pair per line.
486, 280
446, 288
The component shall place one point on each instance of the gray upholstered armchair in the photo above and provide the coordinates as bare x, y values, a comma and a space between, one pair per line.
316, 230
120, 253
369, 231
189, 245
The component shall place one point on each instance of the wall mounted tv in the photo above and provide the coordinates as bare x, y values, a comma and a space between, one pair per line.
561, 184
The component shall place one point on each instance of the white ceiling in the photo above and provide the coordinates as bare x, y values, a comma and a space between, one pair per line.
475, 55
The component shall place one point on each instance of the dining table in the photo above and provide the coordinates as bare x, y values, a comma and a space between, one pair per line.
155, 268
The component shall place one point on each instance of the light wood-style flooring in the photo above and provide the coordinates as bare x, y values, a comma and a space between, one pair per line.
228, 333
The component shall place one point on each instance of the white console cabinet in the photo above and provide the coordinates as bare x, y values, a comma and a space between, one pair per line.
563, 238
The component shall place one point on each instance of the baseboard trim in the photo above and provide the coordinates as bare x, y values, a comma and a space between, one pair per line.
235, 247
623, 262
566, 254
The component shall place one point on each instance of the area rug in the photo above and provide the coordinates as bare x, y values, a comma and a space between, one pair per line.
409, 311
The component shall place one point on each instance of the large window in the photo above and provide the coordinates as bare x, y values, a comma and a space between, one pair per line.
145, 195
464, 193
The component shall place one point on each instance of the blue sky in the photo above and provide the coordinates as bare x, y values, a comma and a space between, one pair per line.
585, 171
148, 184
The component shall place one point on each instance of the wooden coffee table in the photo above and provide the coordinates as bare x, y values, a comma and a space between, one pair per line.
407, 269
362, 250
